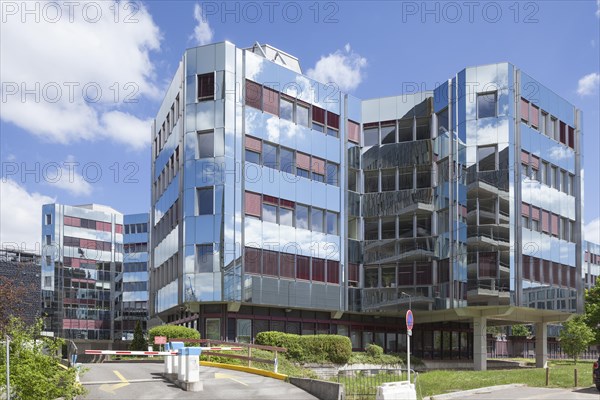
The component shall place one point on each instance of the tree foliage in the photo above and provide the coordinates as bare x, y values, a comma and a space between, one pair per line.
575, 336
139, 341
35, 370
592, 310
520, 330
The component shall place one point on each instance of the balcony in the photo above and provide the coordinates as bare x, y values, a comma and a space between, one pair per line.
392, 299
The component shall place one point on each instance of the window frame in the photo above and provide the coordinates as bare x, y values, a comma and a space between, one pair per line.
482, 94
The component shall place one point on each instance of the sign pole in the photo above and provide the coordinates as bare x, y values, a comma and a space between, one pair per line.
8, 367
409, 326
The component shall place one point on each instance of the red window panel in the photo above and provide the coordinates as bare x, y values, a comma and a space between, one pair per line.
287, 204
333, 271
118, 228
555, 224
423, 274
526, 267
318, 269
353, 132
270, 261
564, 275
534, 115
525, 209
572, 278
353, 272
333, 120
524, 157
535, 213
545, 221
87, 244
253, 95
68, 221
524, 110
75, 262
571, 137
270, 200
405, 275
546, 272
303, 161
253, 144
73, 221
318, 165
563, 132
270, 101
537, 271
252, 260
318, 115
287, 266
556, 274
303, 267
535, 162
252, 204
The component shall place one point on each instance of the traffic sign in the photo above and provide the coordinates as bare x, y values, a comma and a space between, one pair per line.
409, 320
160, 340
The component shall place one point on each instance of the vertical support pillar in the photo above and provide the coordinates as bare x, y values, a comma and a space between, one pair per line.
541, 344
480, 343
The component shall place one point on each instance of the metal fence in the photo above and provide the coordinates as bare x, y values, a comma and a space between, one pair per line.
361, 384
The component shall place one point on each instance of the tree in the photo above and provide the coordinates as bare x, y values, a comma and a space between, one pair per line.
13, 301
520, 330
139, 341
35, 370
592, 310
173, 332
575, 336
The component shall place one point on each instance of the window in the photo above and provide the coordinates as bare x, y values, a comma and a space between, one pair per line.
302, 173
388, 228
318, 177
371, 181
206, 144
543, 122
486, 158
571, 184
442, 121
534, 114
318, 169
286, 267
302, 114
388, 180
423, 177
332, 223
316, 220
332, 174
405, 179
252, 204
555, 178
371, 135
353, 180
302, 216
206, 86
269, 155
318, 117
571, 137
563, 132
252, 156
552, 128
353, 132
253, 95
318, 270
286, 109
286, 160
270, 261
388, 132
486, 105
270, 101
333, 271
205, 201
371, 229
204, 258
48, 219
524, 110
286, 215
269, 212
405, 130
303, 267
423, 130
49, 240
252, 260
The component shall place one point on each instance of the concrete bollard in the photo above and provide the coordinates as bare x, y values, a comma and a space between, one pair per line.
172, 362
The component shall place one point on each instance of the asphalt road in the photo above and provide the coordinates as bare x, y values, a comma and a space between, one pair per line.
526, 393
144, 381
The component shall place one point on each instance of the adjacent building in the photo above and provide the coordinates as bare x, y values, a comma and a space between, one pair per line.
281, 203
20, 274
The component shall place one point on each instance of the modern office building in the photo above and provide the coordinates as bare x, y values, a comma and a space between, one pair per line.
82, 252
280, 203
131, 285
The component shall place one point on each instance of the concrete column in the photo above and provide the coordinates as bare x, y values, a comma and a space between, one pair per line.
480, 343
541, 344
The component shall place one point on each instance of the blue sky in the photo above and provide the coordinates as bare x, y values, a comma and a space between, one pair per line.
82, 140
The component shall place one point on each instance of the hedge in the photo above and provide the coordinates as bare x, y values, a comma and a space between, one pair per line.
173, 332
309, 348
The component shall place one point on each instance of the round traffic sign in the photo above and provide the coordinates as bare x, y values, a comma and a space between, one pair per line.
409, 320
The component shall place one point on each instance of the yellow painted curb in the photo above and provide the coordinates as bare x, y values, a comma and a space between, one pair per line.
249, 370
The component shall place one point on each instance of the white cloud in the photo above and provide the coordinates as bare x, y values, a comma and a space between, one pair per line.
598, 8
344, 68
20, 216
591, 231
203, 33
66, 178
588, 84
80, 71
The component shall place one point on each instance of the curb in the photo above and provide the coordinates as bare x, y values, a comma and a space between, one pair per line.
249, 370
458, 395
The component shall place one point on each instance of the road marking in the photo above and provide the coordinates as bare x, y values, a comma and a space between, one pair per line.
111, 388
219, 375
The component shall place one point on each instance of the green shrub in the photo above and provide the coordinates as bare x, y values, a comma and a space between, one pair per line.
173, 332
309, 348
374, 350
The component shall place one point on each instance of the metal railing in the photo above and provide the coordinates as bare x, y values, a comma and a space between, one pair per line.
361, 384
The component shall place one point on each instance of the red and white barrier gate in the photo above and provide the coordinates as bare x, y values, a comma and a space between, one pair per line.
152, 353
